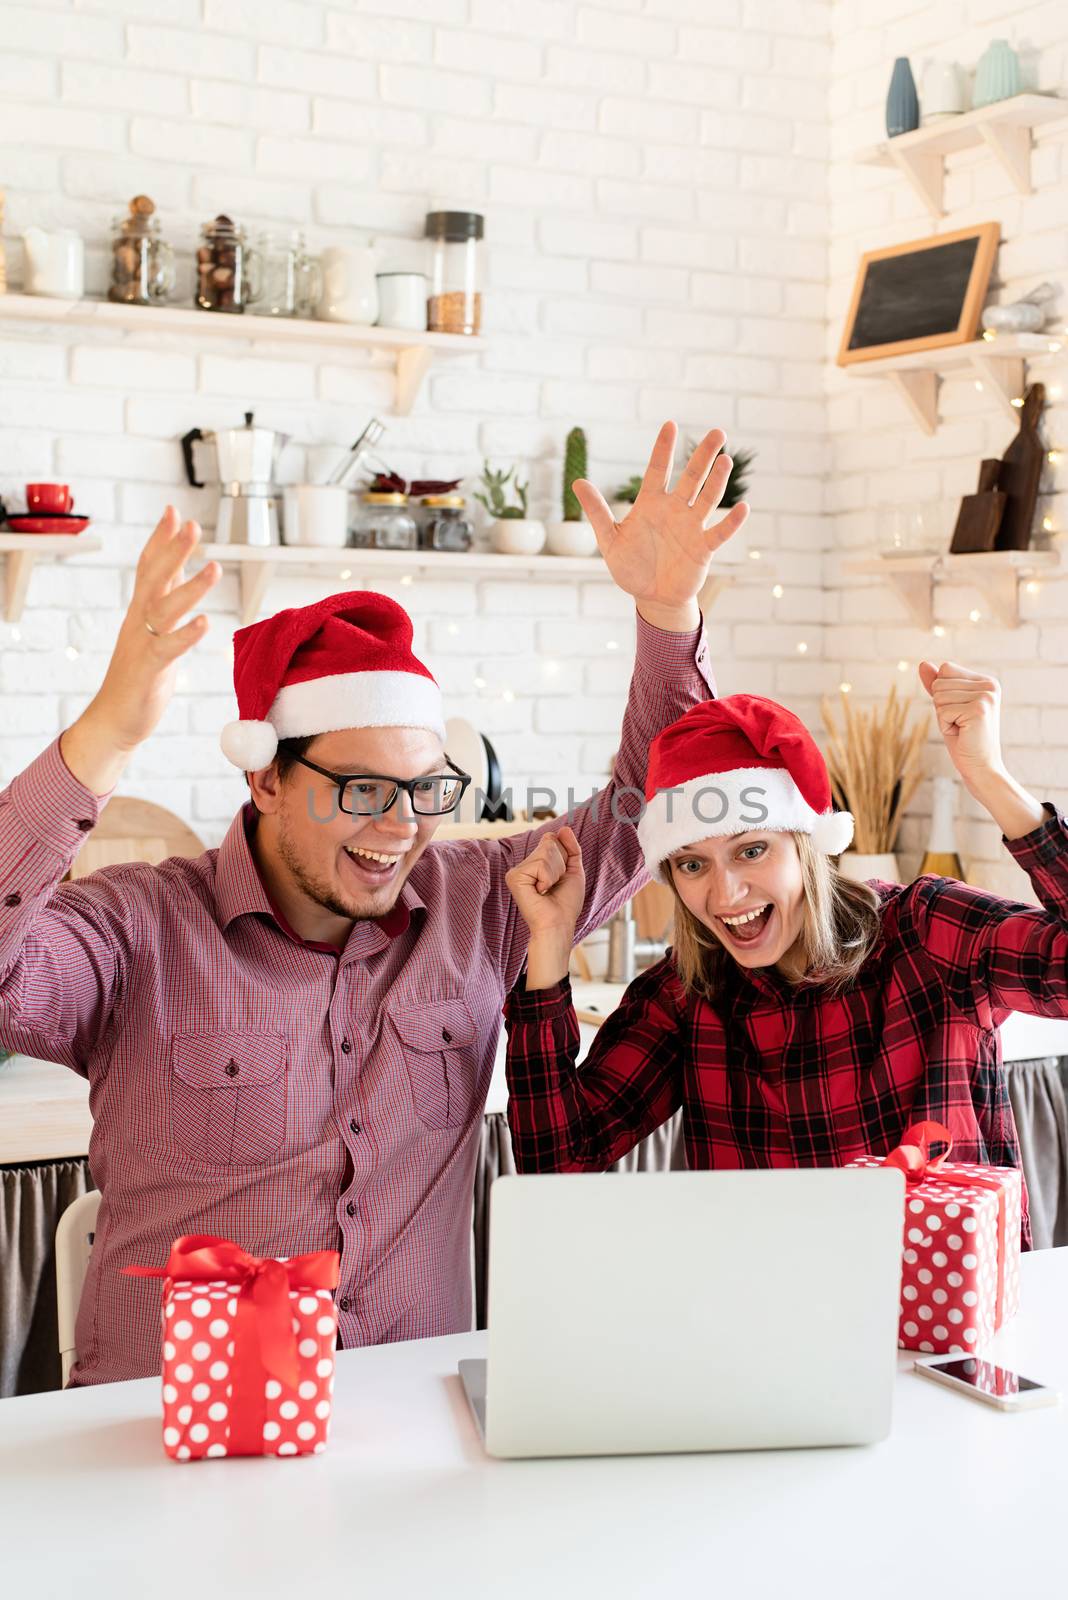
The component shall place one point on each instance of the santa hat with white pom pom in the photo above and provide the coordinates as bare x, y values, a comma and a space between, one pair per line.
737, 765
345, 662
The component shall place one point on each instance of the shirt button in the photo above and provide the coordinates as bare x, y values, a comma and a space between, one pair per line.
13, 900
344, 1303
85, 825
354, 1125
232, 1069
446, 1035
350, 1209
346, 1046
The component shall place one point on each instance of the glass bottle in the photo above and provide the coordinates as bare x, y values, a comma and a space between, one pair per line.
941, 857
384, 523
142, 263
290, 280
455, 303
445, 526
227, 268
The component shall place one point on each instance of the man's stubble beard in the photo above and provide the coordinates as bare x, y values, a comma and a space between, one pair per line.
318, 892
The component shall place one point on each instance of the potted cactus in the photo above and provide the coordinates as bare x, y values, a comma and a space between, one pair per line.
512, 531
573, 536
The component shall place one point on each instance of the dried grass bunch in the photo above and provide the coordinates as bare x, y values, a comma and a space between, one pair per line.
874, 764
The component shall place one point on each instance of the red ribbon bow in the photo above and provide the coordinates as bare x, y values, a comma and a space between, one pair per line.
265, 1345
913, 1157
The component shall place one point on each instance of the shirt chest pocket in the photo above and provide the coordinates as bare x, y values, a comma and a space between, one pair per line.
228, 1096
439, 1047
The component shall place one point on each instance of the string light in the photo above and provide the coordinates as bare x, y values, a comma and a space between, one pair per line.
754, 555
16, 634
1017, 401
1047, 524
846, 688
407, 578
1055, 391
508, 694
346, 572
1032, 587
612, 644
902, 666
975, 616
778, 591
480, 683
989, 335
1053, 347
454, 627
978, 385
1053, 456
72, 654
551, 669
938, 631
802, 648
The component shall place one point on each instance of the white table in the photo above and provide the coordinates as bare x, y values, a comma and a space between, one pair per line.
403, 1503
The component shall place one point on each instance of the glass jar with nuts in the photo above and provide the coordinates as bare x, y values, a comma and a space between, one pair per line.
227, 269
455, 303
142, 263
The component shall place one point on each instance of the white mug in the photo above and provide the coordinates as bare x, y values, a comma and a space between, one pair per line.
402, 300
350, 292
943, 92
317, 514
55, 263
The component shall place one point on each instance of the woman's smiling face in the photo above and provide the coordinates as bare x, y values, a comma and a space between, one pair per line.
748, 890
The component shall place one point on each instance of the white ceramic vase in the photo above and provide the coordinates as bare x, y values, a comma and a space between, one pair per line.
943, 93
518, 536
860, 867
570, 539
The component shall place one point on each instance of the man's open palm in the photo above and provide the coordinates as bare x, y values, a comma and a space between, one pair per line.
662, 549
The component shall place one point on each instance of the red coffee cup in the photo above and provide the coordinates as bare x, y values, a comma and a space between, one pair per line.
48, 499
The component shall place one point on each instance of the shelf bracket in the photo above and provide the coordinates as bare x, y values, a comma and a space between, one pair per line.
711, 591
1001, 590
413, 363
1012, 147
925, 171
1004, 374
919, 390
20, 565
255, 580
915, 590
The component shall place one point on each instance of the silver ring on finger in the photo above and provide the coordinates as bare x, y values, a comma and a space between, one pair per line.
153, 631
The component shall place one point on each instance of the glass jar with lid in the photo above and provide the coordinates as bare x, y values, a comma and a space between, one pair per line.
227, 268
455, 303
445, 524
289, 279
384, 523
142, 263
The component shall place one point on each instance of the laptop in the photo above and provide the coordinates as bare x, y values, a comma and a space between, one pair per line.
644, 1312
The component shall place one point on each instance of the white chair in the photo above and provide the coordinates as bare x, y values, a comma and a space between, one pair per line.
74, 1246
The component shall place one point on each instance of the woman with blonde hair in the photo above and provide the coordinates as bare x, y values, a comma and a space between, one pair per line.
800, 1019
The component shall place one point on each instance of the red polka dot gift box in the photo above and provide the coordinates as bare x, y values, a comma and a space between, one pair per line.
248, 1350
960, 1275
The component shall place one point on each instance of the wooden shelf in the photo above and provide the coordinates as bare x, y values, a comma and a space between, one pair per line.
996, 573
1005, 128
20, 553
996, 363
258, 566
413, 352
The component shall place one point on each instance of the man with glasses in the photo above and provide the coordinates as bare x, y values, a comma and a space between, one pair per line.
289, 1039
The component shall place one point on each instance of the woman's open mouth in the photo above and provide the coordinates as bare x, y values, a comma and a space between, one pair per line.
748, 929
371, 869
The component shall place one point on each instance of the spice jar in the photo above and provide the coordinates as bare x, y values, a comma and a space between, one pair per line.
455, 304
445, 526
142, 263
384, 523
290, 280
227, 269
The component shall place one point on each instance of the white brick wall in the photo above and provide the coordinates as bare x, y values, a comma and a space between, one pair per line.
638, 165
878, 456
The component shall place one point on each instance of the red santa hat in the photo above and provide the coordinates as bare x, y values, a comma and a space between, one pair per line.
345, 662
733, 765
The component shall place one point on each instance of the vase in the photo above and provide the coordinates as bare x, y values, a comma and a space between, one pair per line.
517, 536
570, 539
902, 101
997, 77
943, 92
859, 868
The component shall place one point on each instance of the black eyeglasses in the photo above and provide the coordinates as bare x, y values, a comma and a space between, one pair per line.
371, 794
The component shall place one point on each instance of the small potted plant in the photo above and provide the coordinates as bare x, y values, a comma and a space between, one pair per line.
512, 532
573, 536
736, 489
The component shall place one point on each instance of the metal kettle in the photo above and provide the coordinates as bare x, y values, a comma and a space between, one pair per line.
246, 455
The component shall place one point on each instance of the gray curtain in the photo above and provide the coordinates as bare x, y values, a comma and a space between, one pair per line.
32, 1199
1037, 1090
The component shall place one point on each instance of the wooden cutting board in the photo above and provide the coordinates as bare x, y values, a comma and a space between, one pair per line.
134, 830
1021, 474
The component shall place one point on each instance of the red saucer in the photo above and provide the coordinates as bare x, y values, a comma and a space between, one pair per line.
60, 524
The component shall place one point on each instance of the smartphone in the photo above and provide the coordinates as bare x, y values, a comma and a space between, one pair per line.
985, 1380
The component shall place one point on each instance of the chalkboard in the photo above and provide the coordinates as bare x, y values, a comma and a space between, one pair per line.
919, 296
